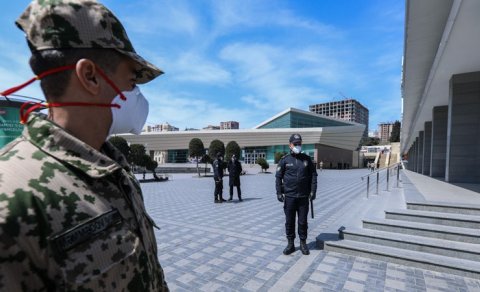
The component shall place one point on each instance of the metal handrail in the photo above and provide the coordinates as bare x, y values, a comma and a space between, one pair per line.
377, 173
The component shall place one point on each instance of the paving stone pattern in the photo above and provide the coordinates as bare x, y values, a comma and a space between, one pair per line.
237, 246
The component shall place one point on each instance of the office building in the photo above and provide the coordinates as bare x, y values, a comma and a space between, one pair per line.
165, 127
230, 125
385, 132
347, 110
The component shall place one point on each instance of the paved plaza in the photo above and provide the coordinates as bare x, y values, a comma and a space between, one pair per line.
237, 246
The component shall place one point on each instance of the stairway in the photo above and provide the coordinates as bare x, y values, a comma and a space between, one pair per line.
383, 160
435, 236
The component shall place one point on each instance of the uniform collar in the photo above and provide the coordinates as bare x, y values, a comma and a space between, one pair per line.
59, 144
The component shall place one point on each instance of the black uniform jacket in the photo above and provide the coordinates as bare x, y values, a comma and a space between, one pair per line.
234, 171
217, 169
296, 176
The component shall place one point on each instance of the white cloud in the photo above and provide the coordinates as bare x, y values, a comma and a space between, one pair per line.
193, 67
277, 77
237, 15
161, 17
183, 110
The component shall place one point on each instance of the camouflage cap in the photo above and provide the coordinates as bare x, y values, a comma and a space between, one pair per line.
67, 24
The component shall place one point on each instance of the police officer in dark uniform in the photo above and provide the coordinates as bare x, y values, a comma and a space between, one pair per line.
296, 183
218, 177
234, 171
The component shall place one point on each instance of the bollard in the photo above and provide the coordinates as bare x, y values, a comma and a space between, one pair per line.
398, 174
388, 178
368, 185
378, 175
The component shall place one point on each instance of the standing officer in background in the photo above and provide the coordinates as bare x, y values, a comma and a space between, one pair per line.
218, 177
296, 183
72, 216
234, 171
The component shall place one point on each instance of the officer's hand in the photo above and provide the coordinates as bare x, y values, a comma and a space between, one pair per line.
312, 196
280, 198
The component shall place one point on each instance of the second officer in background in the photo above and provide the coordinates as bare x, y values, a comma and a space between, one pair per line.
234, 171
218, 177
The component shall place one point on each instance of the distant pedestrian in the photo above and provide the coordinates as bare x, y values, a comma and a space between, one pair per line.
321, 165
234, 171
296, 183
218, 177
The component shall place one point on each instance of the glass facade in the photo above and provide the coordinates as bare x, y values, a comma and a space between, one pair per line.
177, 156
308, 149
298, 120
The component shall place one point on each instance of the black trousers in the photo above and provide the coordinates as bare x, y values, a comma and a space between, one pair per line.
239, 192
218, 189
292, 208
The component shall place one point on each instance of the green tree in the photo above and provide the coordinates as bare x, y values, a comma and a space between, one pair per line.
371, 141
143, 161
395, 135
151, 165
196, 150
231, 149
263, 164
278, 156
137, 151
207, 160
216, 146
121, 144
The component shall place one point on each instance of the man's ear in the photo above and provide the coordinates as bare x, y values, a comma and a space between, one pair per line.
87, 76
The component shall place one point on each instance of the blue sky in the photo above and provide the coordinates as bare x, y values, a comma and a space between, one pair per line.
247, 60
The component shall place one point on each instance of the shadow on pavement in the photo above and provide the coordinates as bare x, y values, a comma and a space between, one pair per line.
323, 237
236, 201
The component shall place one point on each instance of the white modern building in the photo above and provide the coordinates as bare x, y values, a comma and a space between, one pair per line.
325, 139
441, 89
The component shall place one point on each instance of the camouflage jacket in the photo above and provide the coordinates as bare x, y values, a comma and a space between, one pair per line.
72, 218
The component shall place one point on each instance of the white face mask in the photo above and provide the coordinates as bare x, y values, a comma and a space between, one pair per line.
132, 114
297, 149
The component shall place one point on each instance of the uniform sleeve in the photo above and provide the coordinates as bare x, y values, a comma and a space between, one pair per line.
313, 170
279, 176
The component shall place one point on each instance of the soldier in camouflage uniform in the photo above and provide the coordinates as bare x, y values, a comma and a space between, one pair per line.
72, 216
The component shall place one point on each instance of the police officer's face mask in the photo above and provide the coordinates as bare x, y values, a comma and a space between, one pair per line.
297, 148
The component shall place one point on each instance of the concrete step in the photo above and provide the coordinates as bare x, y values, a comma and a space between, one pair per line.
448, 219
467, 251
422, 229
464, 209
461, 267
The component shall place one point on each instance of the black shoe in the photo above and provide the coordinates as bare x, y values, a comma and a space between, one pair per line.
290, 247
304, 247
222, 200
217, 201
230, 199
240, 200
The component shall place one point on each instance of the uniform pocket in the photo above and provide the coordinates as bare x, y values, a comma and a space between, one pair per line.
98, 247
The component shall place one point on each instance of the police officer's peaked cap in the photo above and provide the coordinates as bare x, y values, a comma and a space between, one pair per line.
295, 138
79, 24
219, 154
